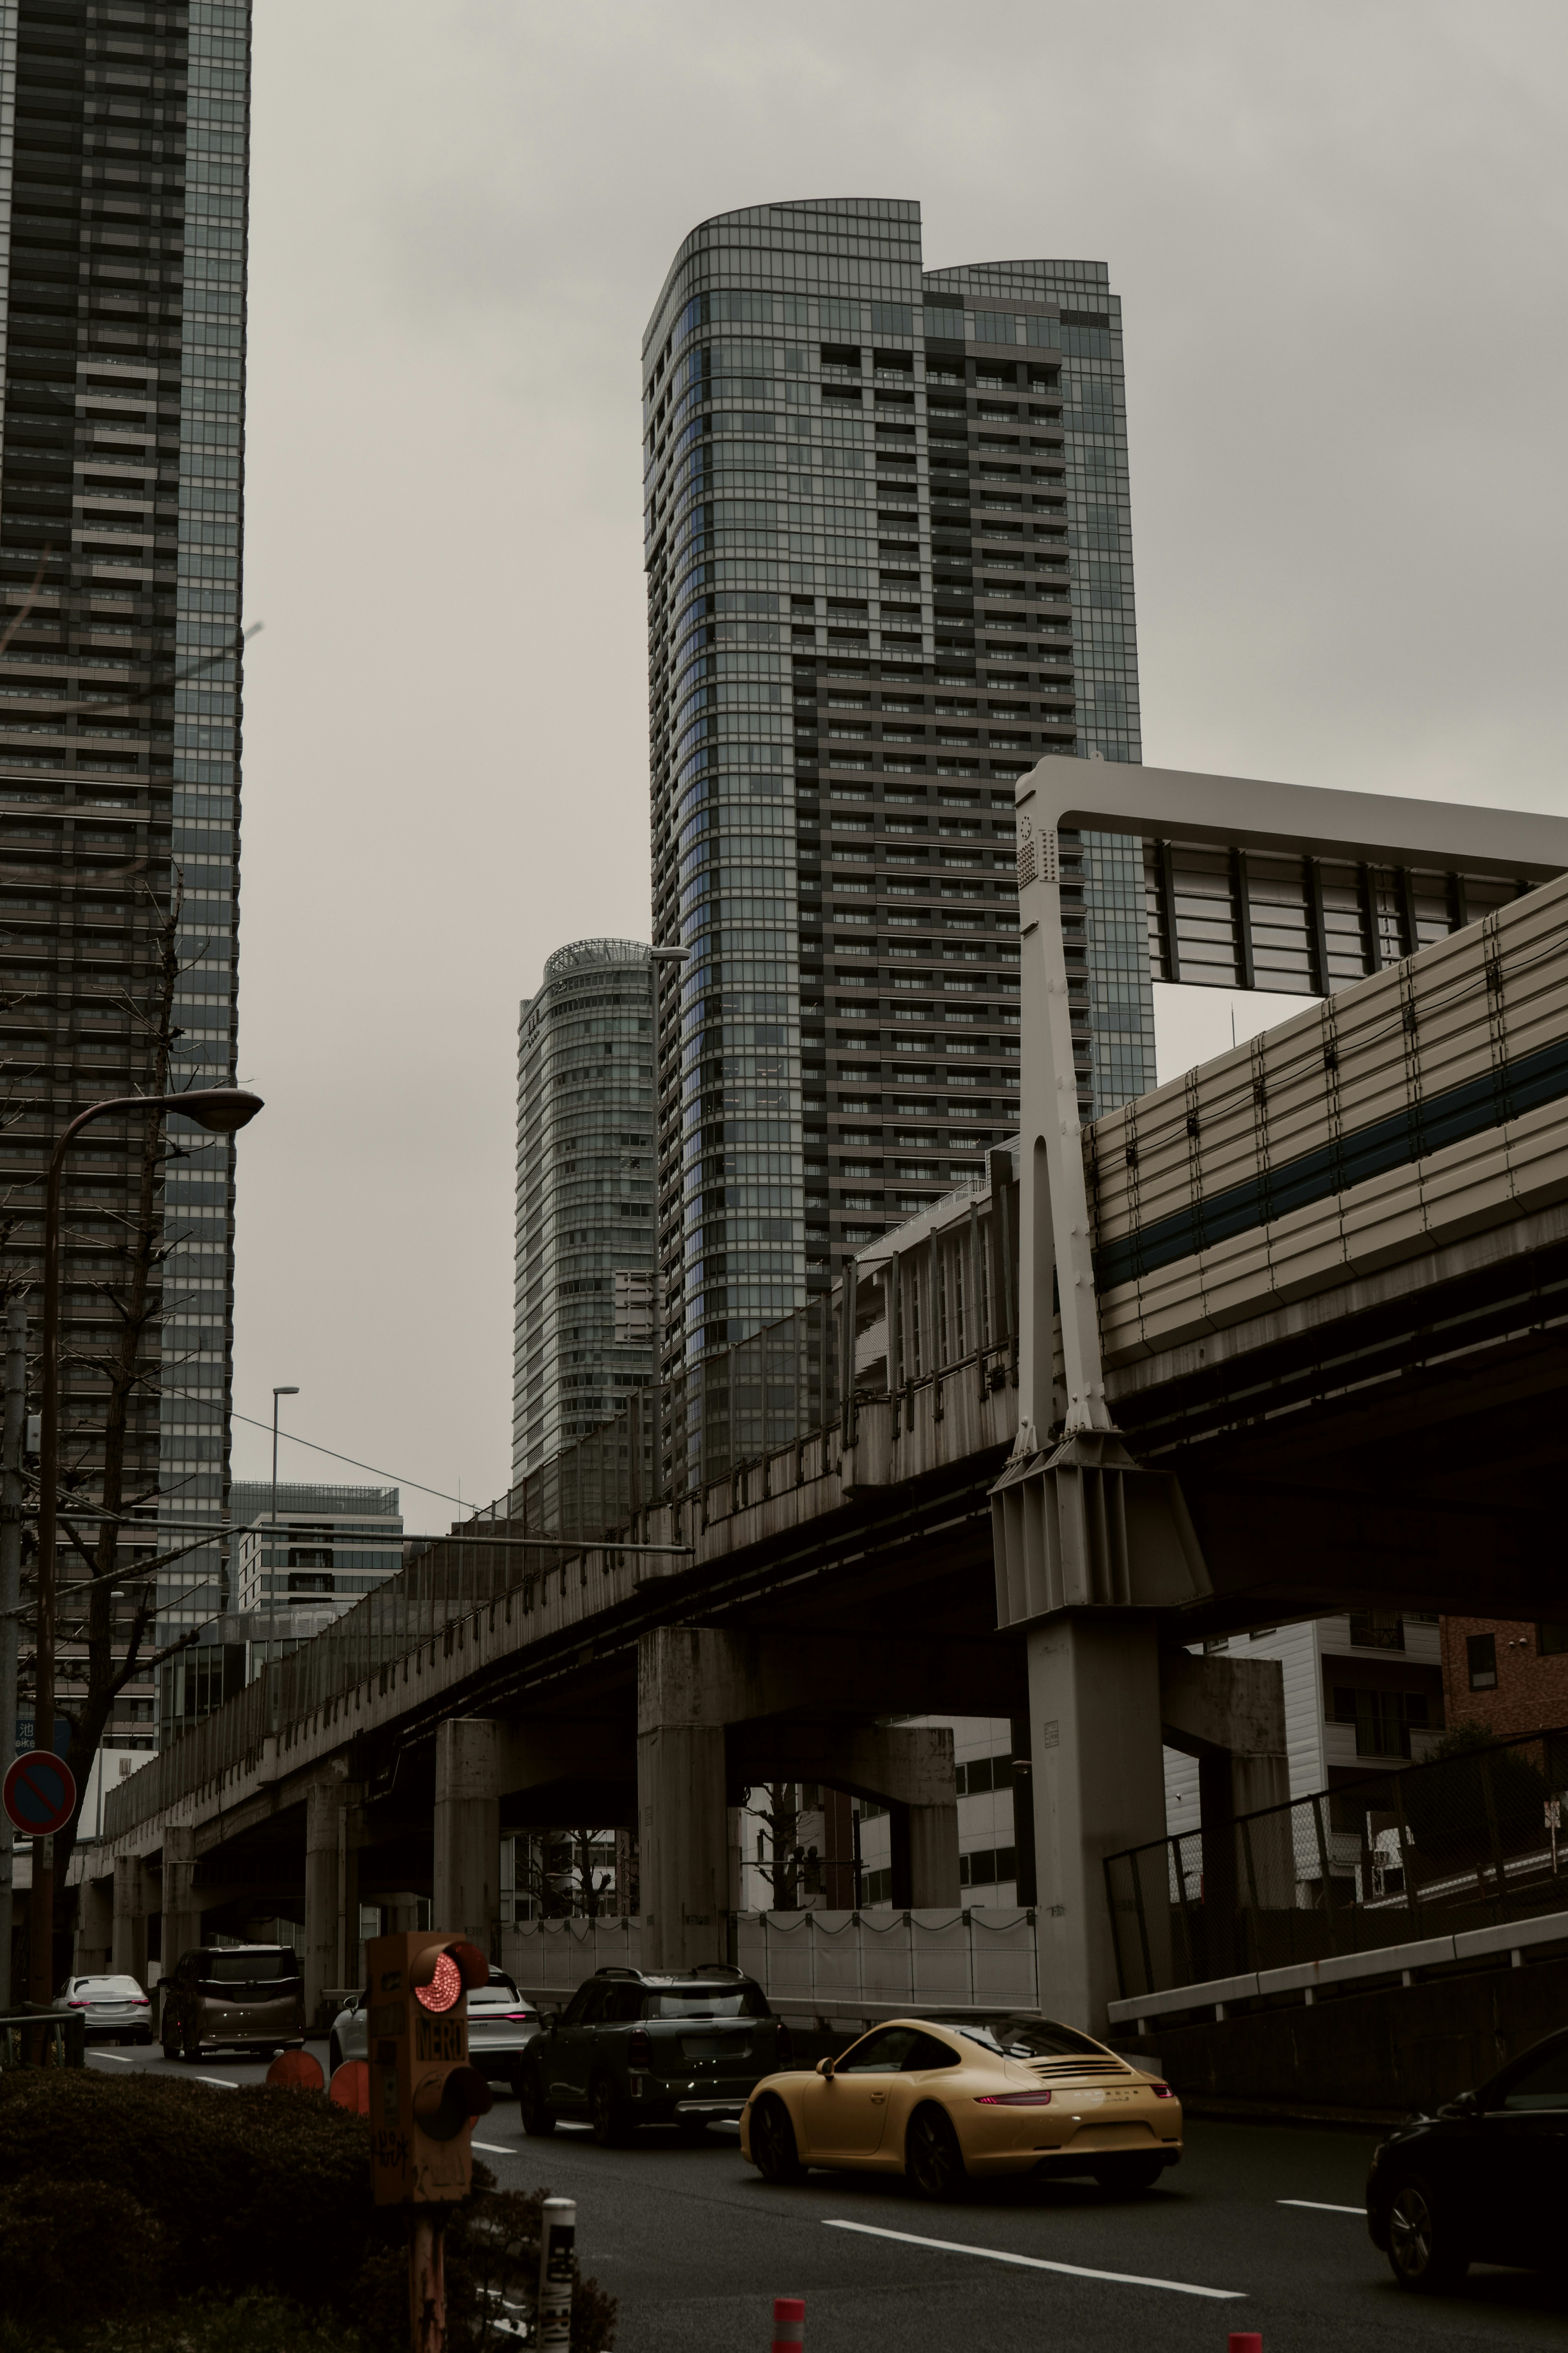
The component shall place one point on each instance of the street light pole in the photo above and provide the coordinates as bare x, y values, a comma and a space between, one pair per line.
287, 1390
222, 1110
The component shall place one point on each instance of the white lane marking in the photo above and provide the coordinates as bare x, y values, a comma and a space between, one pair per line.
222, 2082
119, 2060
492, 2148
1039, 2263
1316, 2206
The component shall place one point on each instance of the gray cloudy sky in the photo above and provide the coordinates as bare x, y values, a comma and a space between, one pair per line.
1339, 236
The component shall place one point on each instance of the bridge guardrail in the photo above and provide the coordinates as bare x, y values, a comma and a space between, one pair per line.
1465, 1841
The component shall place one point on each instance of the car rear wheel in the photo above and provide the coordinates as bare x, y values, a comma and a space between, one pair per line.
1422, 2250
933, 2162
538, 2116
612, 2125
1125, 2176
774, 2144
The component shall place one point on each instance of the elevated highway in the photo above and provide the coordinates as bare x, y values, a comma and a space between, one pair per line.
1307, 1348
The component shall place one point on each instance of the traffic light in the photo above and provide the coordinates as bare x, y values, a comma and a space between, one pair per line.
423, 2095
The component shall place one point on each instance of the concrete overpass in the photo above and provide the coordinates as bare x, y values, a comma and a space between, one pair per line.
1311, 1350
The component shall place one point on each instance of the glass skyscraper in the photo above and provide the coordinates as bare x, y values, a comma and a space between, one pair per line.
123, 159
584, 1304
889, 554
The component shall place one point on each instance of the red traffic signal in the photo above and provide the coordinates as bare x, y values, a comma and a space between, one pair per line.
423, 2095
442, 1972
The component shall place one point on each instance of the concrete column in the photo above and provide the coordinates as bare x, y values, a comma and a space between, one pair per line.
94, 1925
684, 1674
1094, 1720
1230, 1714
933, 1857
467, 1884
322, 1807
128, 1949
182, 1916
331, 1888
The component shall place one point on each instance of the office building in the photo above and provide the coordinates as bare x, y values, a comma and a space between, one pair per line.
341, 1542
888, 567
583, 1306
123, 152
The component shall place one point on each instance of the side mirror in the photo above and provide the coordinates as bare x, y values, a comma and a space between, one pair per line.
549, 2017
825, 2069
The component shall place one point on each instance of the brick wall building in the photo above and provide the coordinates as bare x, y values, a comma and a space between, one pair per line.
1510, 1677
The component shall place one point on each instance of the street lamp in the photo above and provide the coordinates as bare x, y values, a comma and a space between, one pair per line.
287, 1389
222, 1110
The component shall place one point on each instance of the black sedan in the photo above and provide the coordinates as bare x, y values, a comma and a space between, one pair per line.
1484, 2180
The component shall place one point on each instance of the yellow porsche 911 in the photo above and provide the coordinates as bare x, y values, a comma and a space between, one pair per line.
948, 2105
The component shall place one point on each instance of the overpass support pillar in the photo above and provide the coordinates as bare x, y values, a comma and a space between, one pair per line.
1230, 1714
332, 1890
182, 1915
686, 1676
128, 1953
925, 1857
467, 1884
1099, 1786
94, 1926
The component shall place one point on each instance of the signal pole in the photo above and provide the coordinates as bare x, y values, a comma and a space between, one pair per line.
13, 1436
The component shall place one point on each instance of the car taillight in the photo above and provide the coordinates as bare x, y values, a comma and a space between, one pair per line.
639, 2050
516, 2013
1162, 2091
139, 2001
78, 2005
1012, 2099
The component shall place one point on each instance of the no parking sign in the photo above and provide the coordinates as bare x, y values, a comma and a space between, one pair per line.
40, 1793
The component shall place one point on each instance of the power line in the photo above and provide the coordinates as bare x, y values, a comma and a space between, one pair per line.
200, 1396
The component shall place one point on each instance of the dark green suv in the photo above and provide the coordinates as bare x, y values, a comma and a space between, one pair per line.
631, 2049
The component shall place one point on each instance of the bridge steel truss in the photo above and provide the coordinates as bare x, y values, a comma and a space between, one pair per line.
1097, 1552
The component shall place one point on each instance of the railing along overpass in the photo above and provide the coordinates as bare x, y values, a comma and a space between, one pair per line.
1311, 1352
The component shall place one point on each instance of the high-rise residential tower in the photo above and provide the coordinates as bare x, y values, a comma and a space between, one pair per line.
584, 1306
889, 566
123, 155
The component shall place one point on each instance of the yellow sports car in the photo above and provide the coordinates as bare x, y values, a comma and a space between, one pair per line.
947, 2105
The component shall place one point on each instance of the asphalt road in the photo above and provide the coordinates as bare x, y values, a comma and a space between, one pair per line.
1246, 2234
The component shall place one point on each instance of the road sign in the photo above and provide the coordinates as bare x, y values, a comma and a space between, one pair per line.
39, 1793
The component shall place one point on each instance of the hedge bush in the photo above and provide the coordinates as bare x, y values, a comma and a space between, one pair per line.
70, 2250
229, 2194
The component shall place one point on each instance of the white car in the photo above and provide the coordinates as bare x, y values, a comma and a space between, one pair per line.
501, 2026
113, 2008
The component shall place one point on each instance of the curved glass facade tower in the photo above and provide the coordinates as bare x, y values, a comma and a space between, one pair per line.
583, 1306
890, 565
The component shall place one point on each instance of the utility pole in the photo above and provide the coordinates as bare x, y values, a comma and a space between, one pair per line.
13, 1435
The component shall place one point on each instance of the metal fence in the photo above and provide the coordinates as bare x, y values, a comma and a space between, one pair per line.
1470, 1839
828, 1963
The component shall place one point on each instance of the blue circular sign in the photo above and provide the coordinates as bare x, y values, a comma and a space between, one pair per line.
40, 1793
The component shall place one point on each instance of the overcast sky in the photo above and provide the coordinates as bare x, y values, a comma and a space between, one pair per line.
1338, 232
